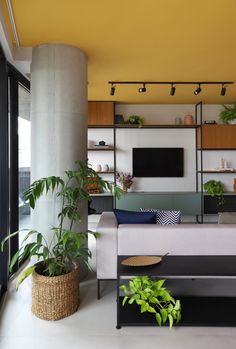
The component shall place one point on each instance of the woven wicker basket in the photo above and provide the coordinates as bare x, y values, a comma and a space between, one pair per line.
54, 298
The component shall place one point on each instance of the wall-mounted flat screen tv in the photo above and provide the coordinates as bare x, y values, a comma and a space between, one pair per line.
158, 162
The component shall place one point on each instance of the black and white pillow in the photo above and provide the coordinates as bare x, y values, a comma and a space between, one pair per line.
165, 216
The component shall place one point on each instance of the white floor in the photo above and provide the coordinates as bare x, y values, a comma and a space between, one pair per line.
94, 326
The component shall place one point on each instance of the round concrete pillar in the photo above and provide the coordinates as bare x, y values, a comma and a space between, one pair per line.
59, 122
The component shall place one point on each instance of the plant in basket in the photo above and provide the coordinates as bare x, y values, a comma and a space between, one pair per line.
55, 275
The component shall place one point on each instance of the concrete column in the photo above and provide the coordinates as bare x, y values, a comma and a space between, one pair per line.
59, 121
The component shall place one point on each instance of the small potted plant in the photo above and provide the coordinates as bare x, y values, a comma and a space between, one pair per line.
228, 115
151, 296
55, 275
215, 189
125, 179
136, 120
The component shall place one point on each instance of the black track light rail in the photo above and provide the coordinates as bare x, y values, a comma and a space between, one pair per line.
171, 82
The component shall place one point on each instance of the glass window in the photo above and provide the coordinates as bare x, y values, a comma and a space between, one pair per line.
24, 145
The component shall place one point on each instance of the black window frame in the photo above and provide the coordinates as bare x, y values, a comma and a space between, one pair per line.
10, 79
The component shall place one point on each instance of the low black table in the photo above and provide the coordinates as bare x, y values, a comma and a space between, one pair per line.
196, 311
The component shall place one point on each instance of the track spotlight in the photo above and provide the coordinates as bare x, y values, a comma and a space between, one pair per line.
142, 89
172, 90
198, 90
223, 90
113, 90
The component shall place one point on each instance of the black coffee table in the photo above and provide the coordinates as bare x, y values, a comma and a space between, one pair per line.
196, 311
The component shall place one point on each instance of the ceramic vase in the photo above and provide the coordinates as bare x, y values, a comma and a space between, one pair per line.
98, 168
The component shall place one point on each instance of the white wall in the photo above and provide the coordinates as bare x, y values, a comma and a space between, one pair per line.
132, 138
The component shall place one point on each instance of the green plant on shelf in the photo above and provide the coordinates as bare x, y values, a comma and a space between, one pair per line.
135, 119
215, 189
152, 297
228, 114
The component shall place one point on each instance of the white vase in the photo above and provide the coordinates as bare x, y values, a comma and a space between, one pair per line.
98, 168
105, 168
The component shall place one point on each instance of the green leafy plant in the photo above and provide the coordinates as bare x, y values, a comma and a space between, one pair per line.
215, 188
151, 296
60, 255
135, 119
228, 114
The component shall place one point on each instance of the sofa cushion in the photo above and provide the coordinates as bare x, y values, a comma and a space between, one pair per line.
165, 216
227, 217
132, 217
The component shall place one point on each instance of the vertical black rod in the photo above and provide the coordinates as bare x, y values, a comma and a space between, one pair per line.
14, 166
196, 151
4, 169
114, 137
201, 154
98, 289
118, 296
196, 148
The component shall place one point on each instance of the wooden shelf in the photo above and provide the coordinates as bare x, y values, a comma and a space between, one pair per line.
218, 149
100, 126
220, 172
145, 126
157, 126
101, 172
102, 194
217, 137
100, 149
101, 113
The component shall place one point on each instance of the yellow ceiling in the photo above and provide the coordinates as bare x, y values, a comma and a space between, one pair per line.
152, 40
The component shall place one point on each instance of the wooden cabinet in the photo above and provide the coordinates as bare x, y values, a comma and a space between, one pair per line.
218, 137
100, 113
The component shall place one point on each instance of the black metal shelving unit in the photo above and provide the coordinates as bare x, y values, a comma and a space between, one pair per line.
209, 205
218, 311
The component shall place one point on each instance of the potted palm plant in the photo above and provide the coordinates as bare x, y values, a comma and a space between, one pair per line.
55, 275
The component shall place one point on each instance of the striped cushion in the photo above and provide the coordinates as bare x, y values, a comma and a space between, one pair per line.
165, 217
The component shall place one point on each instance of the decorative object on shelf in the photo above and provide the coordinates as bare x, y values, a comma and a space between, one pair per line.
93, 185
139, 261
210, 122
125, 179
188, 120
119, 119
234, 185
152, 297
102, 143
105, 168
178, 121
215, 188
228, 115
135, 120
98, 168
55, 292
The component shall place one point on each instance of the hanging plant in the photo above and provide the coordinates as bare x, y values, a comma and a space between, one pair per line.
152, 297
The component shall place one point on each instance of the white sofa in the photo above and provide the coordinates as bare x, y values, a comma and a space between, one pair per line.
154, 239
